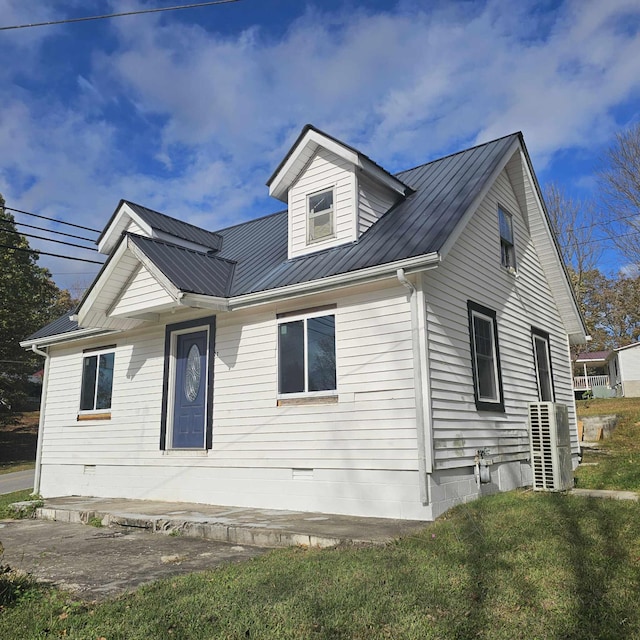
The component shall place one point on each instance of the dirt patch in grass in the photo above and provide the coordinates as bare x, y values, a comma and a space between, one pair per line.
18, 439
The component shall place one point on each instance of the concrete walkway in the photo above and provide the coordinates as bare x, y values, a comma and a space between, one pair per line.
240, 526
605, 493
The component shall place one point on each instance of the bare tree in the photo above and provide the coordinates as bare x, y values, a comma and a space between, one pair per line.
574, 224
620, 186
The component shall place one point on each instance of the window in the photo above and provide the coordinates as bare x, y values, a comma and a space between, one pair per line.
320, 216
307, 355
507, 251
97, 380
542, 361
485, 357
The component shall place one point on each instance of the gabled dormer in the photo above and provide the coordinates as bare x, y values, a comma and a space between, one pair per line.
334, 193
134, 218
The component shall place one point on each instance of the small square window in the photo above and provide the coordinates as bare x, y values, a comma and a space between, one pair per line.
507, 249
320, 218
97, 381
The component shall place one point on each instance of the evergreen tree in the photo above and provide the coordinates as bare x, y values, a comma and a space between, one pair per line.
28, 300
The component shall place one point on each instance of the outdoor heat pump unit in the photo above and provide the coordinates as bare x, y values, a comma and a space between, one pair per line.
550, 440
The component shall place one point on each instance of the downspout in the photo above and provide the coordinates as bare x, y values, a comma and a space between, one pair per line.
43, 402
417, 380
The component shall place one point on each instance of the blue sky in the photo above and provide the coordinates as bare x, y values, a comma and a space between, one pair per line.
188, 112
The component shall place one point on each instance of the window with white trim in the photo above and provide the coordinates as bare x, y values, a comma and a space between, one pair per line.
320, 216
542, 361
307, 355
97, 380
485, 358
507, 246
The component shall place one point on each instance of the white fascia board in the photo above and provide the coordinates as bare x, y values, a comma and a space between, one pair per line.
187, 244
100, 281
113, 233
455, 234
70, 336
629, 346
577, 331
284, 178
370, 274
200, 301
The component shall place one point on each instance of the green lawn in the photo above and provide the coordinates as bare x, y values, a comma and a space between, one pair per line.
515, 565
618, 461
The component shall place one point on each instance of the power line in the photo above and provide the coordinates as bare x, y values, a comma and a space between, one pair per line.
117, 15
32, 235
46, 253
60, 233
37, 215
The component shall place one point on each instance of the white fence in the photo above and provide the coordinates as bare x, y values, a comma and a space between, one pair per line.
583, 383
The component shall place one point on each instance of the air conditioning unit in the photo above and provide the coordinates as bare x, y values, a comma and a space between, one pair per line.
550, 440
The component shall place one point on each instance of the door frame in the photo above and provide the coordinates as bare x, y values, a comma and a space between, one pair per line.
169, 375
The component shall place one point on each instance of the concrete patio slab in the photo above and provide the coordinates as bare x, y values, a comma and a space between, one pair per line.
259, 527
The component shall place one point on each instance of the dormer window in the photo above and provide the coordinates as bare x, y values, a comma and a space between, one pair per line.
320, 216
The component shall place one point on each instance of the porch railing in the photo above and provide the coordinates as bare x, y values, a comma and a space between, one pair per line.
583, 383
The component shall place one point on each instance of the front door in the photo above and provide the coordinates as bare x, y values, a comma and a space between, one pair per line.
190, 392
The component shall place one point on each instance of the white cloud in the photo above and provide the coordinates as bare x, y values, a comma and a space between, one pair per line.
192, 122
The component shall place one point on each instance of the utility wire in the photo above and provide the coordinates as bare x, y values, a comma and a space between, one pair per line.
60, 233
32, 235
118, 15
46, 253
37, 215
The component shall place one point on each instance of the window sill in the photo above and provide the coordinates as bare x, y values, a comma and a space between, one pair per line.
186, 453
307, 400
94, 416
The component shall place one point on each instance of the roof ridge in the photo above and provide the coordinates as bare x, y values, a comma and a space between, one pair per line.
455, 153
206, 254
164, 215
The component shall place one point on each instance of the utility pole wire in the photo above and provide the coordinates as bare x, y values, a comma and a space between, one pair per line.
33, 235
59, 233
117, 15
36, 215
46, 253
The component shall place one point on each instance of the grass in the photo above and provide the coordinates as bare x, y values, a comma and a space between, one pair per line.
513, 565
9, 498
618, 459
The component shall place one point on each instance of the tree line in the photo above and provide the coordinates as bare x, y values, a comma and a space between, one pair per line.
610, 303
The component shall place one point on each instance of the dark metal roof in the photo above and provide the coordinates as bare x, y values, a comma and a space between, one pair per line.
418, 225
253, 255
57, 327
190, 271
593, 356
178, 228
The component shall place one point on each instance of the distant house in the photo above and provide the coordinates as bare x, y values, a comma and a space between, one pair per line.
355, 353
610, 373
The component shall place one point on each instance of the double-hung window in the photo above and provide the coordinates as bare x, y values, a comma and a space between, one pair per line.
507, 249
307, 354
542, 362
320, 216
485, 358
97, 380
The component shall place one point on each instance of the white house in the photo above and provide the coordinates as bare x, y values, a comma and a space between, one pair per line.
354, 353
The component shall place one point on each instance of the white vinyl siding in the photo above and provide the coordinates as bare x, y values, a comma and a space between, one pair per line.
142, 294
324, 171
473, 271
374, 201
362, 449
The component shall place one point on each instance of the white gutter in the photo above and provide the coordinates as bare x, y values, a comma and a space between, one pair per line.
70, 336
378, 272
43, 402
417, 381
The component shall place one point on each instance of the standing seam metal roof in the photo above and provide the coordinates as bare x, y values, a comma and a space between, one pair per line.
253, 255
